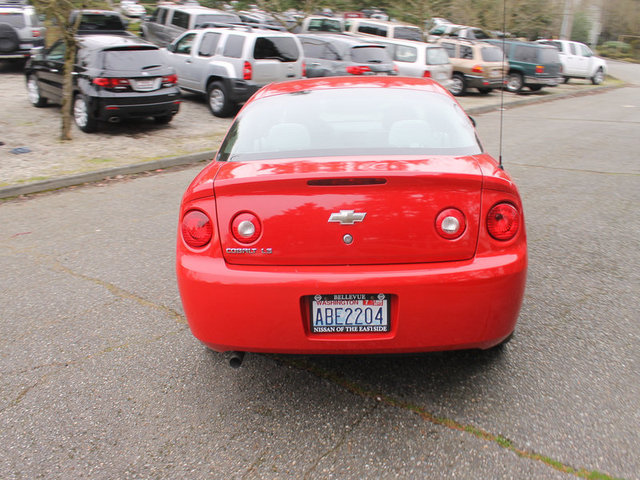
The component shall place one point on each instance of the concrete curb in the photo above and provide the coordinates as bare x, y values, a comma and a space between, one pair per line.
98, 175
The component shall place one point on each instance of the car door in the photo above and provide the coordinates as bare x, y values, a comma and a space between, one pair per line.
50, 72
180, 54
202, 56
155, 26
573, 61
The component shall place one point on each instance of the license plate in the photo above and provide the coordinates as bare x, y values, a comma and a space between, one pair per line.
495, 73
350, 313
144, 85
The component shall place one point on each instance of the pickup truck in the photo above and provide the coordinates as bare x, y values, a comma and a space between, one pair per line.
230, 64
578, 61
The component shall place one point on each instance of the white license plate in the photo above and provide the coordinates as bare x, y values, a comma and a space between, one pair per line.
144, 85
495, 73
350, 313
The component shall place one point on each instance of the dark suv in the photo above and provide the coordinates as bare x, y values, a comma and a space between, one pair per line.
115, 77
20, 30
531, 65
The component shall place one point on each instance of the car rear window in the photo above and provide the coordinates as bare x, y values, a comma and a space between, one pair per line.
350, 121
216, 18
408, 33
370, 54
126, 58
284, 49
491, 54
437, 56
402, 53
14, 19
100, 22
548, 55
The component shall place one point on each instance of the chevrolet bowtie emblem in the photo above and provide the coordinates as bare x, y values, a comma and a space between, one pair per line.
347, 217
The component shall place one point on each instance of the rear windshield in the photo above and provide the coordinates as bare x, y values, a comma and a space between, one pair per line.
14, 19
402, 53
100, 22
408, 33
437, 56
127, 58
276, 48
491, 54
350, 121
549, 55
370, 54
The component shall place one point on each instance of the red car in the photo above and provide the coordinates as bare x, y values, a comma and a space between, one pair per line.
348, 216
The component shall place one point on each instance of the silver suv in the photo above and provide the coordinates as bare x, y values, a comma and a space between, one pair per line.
20, 30
170, 21
228, 65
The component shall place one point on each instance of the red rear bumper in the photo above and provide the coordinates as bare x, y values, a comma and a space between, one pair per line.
439, 306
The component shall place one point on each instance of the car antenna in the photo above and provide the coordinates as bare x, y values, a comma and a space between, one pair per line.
504, 33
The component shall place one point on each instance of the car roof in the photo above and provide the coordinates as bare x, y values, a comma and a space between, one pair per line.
246, 29
348, 40
499, 41
330, 83
100, 41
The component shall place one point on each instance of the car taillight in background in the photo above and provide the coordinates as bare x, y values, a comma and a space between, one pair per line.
169, 80
357, 69
35, 33
113, 83
477, 69
539, 68
427, 74
247, 71
197, 229
246, 227
304, 69
503, 221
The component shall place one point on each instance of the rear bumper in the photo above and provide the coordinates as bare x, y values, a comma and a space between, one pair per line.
483, 82
108, 110
440, 306
240, 91
545, 81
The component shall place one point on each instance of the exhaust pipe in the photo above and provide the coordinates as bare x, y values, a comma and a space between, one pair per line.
236, 359
114, 119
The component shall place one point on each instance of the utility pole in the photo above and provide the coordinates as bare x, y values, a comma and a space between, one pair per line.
567, 20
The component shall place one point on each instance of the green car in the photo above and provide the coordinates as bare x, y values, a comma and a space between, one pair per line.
531, 65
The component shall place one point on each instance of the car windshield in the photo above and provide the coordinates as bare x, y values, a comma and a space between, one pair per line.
437, 56
491, 54
350, 121
408, 33
14, 19
370, 54
127, 58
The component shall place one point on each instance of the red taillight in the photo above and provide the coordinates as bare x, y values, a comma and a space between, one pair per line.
395, 68
450, 223
117, 83
503, 221
477, 69
304, 69
357, 69
426, 74
35, 33
247, 71
246, 227
539, 68
197, 229
169, 80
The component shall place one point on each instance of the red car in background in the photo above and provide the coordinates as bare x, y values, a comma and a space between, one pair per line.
352, 216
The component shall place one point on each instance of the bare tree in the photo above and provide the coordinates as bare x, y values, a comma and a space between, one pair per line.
60, 12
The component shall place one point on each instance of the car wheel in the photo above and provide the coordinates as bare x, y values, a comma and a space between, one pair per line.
484, 91
565, 80
9, 40
82, 116
458, 85
598, 77
218, 100
33, 92
162, 119
535, 88
514, 82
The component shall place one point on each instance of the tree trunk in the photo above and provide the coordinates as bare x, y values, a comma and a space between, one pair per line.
67, 92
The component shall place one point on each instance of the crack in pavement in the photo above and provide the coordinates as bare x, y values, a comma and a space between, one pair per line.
501, 441
578, 170
348, 430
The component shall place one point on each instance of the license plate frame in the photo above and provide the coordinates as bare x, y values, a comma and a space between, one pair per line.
350, 313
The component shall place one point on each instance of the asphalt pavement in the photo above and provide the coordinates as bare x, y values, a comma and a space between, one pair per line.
101, 378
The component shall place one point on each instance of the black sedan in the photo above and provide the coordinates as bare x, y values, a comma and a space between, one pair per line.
115, 77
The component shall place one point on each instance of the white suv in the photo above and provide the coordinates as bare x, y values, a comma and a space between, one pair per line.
578, 61
20, 30
230, 64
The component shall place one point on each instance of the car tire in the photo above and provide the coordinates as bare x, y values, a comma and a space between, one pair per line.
565, 80
598, 77
162, 119
82, 115
9, 40
458, 85
218, 100
535, 88
484, 91
33, 92
514, 82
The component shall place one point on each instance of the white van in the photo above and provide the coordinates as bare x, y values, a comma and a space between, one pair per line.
379, 28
